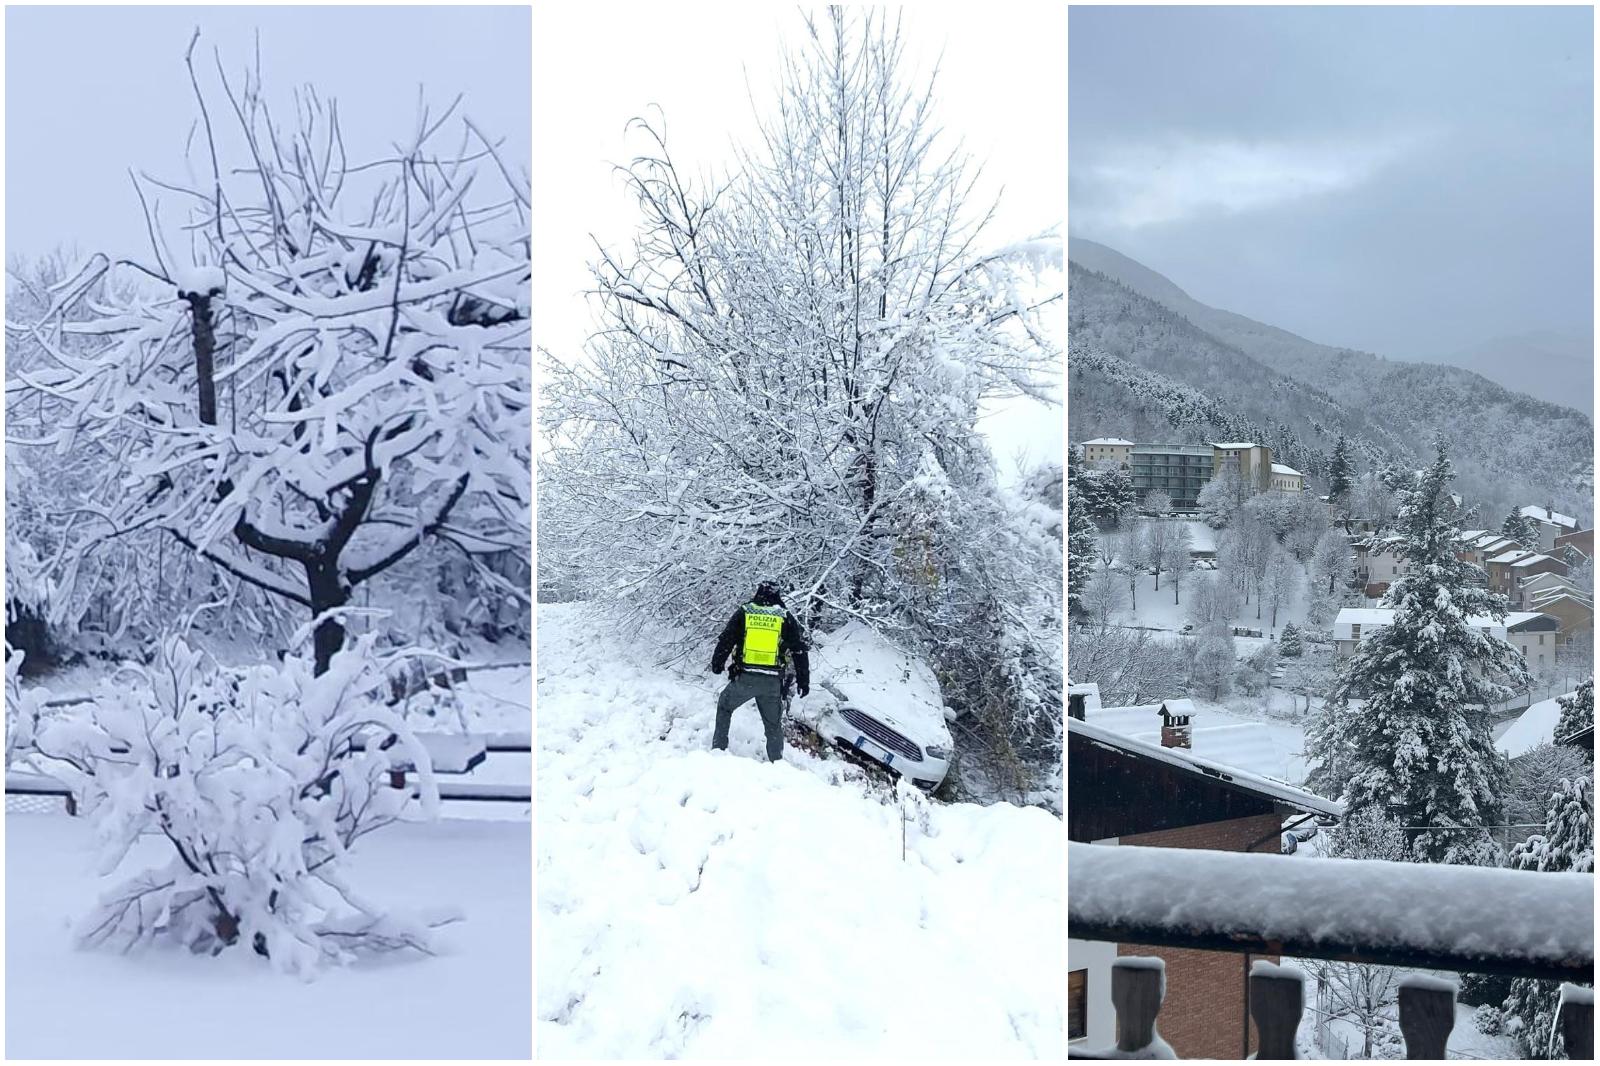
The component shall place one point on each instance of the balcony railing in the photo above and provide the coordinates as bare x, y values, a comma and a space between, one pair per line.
1417, 916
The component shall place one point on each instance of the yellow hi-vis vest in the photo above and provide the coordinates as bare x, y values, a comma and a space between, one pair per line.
763, 631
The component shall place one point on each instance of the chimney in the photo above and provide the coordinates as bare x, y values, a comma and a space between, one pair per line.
1175, 724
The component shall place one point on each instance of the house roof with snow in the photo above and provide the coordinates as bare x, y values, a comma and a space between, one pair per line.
1549, 517
1110, 440
1513, 558
1535, 726
1235, 445
1279, 468
1188, 762
1383, 616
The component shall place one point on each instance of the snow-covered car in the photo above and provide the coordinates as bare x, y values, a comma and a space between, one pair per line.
880, 701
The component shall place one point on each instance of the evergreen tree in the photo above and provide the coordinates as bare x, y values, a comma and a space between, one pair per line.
1289, 644
1339, 471
1522, 529
1567, 844
1577, 710
1418, 746
1082, 545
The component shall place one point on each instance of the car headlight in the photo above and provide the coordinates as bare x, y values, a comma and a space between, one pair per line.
934, 751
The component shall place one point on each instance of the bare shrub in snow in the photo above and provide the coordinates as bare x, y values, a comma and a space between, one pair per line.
259, 781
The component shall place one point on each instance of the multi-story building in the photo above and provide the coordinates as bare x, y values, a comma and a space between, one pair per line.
1179, 470
1287, 479
1255, 462
1106, 452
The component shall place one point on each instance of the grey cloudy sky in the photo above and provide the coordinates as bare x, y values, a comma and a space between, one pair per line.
93, 92
1002, 88
1408, 181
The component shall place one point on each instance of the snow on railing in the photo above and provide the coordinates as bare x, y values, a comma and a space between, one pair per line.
1463, 919
1277, 999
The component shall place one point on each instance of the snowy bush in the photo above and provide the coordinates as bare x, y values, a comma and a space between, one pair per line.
22, 707
1489, 1020
260, 780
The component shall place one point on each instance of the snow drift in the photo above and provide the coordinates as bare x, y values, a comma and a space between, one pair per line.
694, 903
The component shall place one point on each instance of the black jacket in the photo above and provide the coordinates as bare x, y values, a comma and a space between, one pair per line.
791, 640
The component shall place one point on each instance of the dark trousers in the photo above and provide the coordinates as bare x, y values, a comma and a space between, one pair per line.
766, 690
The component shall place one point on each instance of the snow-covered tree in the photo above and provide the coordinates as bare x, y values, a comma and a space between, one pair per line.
261, 780
1362, 993
330, 370
1082, 548
1157, 503
787, 376
1222, 497
1214, 660
1132, 549
1103, 598
1339, 471
1418, 745
1577, 710
1332, 560
1289, 644
1280, 584
1522, 529
1567, 844
1175, 558
1538, 774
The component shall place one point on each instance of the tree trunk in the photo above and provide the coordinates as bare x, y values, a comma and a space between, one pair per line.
205, 346
327, 593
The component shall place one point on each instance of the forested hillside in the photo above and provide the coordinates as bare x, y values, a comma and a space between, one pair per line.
1300, 396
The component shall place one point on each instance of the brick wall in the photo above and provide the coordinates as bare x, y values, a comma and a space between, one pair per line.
1203, 1014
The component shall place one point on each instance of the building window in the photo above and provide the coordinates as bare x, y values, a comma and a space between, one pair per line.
1077, 1004
1355, 631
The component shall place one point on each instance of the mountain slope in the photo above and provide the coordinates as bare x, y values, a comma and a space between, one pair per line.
1555, 367
709, 904
1507, 447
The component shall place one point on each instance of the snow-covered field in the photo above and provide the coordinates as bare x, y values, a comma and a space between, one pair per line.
470, 1001
700, 904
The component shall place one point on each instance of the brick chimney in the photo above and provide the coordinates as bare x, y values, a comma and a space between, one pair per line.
1175, 716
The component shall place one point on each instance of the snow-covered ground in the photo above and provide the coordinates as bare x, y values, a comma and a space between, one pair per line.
470, 1001
700, 904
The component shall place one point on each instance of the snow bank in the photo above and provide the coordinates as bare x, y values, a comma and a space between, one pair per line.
1458, 911
473, 1000
705, 904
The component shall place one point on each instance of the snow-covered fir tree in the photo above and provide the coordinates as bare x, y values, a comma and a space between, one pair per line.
1407, 728
1082, 539
1567, 844
1339, 471
1577, 710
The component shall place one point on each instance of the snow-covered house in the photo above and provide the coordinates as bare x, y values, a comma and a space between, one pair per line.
1378, 562
1531, 632
1551, 525
1123, 791
1574, 548
1106, 452
1287, 479
1507, 570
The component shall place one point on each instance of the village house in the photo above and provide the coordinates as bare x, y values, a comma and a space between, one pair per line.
1551, 525
1107, 452
1254, 462
1533, 633
1123, 791
1542, 586
1378, 562
1479, 549
1574, 617
1508, 570
1287, 479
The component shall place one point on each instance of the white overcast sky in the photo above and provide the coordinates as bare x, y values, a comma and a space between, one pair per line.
92, 92
1003, 90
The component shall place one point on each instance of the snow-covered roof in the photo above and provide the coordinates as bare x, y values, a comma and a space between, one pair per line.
1110, 440
1547, 597
1512, 556
1536, 725
1240, 445
1279, 468
1382, 616
1554, 518
1534, 559
1405, 908
1089, 690
1470, 535
1227, 775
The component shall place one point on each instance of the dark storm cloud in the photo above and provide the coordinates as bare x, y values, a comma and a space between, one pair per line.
1410, 181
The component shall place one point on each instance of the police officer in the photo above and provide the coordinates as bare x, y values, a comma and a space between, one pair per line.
761, 635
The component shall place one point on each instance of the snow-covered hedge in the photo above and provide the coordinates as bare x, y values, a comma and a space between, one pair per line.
261, 780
